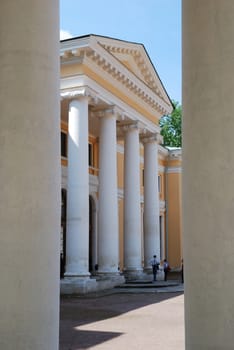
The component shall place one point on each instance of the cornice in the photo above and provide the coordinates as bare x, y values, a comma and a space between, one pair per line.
163, 151
175, 153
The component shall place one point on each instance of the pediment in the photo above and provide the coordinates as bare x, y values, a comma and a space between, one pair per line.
126, 65
135, 58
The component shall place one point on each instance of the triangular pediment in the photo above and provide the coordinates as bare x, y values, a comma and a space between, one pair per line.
124, 63
135, 58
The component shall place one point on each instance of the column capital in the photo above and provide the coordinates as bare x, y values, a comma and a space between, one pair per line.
111, 110
83, 91
151, 138
129, 126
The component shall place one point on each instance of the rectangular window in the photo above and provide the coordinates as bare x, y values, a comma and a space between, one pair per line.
143, 175
90, 154
63, 144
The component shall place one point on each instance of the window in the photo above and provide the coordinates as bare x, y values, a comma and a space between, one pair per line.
90, 154
63, 144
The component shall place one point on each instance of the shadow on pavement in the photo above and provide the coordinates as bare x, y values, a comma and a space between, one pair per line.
82, 310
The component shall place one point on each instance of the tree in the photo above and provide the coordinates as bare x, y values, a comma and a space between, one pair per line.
171, 127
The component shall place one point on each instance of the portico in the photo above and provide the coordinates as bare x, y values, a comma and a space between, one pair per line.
104, 100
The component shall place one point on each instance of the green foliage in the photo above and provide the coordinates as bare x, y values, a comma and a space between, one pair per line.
171, 127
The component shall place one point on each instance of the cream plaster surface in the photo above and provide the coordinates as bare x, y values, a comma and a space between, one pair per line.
30, 175
208, 168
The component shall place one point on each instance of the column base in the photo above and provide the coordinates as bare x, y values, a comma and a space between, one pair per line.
149, 274
77, 285
107, 280
132, 275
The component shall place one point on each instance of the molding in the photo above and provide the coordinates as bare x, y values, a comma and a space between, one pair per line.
174, 170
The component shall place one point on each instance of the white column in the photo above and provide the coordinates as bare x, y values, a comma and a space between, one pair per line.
132, 209
208, 173
151, 201
77, 240
108, 232
29, 175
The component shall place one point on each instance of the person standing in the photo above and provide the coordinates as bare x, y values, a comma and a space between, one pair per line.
182, 271
166, 268
155, 265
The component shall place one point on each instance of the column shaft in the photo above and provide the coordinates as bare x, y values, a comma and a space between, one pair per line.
30, 174
151, 203
77, 243
132, 209
108, 233
208, 168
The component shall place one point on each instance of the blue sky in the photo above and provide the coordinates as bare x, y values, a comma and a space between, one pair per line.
154, 23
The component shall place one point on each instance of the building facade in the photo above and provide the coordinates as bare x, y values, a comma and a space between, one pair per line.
116, 176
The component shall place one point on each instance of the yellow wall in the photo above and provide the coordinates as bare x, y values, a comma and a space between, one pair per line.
174, 219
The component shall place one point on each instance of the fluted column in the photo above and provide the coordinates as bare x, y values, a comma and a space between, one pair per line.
108, 233
132, 209
29, 174
151, 200
77, 241
208, 169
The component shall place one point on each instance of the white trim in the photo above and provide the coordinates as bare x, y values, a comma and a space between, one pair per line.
176, 170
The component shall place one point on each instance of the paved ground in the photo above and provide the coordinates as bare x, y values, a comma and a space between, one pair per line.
131, 319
